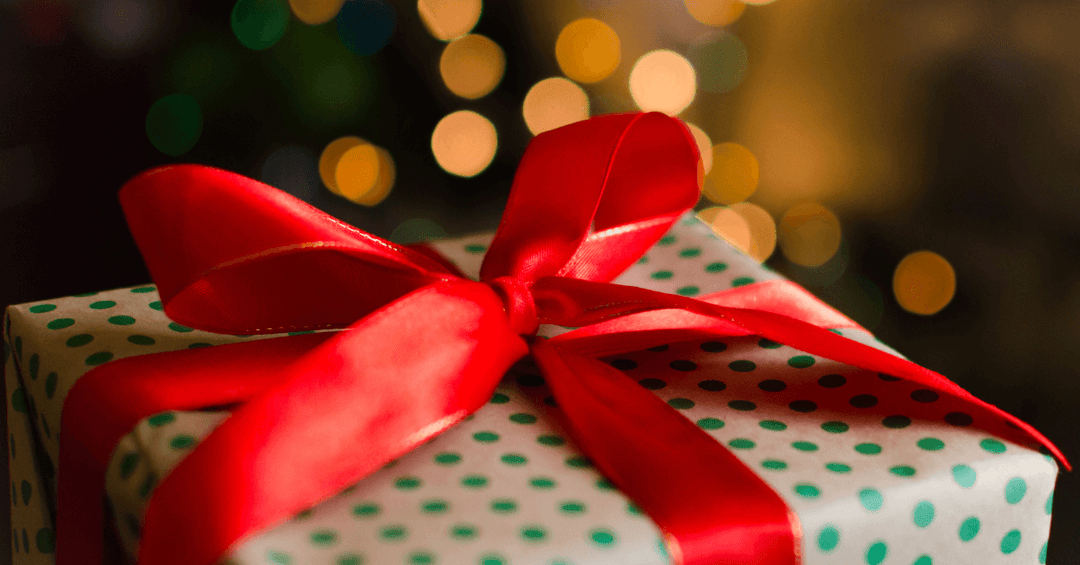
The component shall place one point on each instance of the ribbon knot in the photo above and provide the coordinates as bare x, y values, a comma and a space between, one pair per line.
518, 303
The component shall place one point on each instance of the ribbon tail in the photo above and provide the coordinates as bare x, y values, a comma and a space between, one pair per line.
712, 508
361, 399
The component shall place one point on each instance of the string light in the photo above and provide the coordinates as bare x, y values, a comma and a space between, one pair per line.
357, 170
663, 81
122, 27
464, 143
553, 103
472, 66
258, 24
762, 230
734, 175
704, 145
588, 50
715, 12
733, 228
809, 234
315, 12
174, 124
449, 19
924, 283
331, 156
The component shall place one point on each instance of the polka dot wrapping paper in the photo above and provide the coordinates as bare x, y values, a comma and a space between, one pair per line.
878, 470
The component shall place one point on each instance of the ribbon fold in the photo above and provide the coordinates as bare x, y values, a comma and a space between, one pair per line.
315, 413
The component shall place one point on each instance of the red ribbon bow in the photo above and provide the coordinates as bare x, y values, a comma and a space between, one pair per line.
315, 413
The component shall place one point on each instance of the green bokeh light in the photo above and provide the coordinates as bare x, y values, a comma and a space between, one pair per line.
258, 24
174, 124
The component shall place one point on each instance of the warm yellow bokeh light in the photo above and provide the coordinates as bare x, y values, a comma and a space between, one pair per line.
809, 234
663, 81
472, 66
588, 50
449, 19
924, 283
365, 174
316, 12
330, 157
553, 103
734, 175
715, 12
759, 2
733, 228
762, 230
464, 143
704, 145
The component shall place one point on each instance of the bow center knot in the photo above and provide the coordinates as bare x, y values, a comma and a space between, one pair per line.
518, 303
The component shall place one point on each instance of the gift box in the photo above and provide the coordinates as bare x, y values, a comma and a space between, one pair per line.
877, 469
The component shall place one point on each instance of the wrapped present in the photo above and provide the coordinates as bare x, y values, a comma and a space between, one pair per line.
699, 410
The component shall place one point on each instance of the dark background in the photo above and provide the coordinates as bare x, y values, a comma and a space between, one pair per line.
954, 126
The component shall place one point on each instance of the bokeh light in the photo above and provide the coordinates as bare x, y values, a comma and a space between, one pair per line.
704, 145
174, 124
721, 63
924, 283
733, 228
464, 143
316, 12
553, 103
365, 174
715, 12
293, 169
449, 19
809, 234
472, 66
588, 50
121, 27
258, 24
762, 230
758, 2
331, 156
734, 175
663, 81
366, 26
416, 230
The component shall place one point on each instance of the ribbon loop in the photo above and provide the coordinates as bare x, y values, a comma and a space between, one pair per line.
519, 304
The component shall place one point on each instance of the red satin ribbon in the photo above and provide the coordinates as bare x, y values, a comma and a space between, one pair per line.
315, 413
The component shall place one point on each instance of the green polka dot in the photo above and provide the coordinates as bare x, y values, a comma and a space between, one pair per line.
367, 510
1010, 542
801, 361
681, 403
828, 538
572, 507
492, 559
434, 506
690, 252
486, 437
102, 304
969, 529
992, 445
99, 358
464, 531
522, 418
542, 483
689, 290
60, 323
179, 328
604, 484
350, 559
602, 537
774, 464
551, 440
1049, 504
18, 400
421, 558
475, 248
182, 441
838, 467
774, 425
710, 423
742, 405
963, 475
534, 534
27, 492
804, 446
394, 533
1015, 490
768, 344
156, 305
666, 240
896, 422
923, 514
715, 267
923, 560
742, 281
902, 470
514, 459
661, 275
807, 490
742, 366
504, 505
147, 486
578, 462
499, 398
930, 444
128, 464
633, 509
279, 557
876, 553
407, 483
871, 499
141, 340
79, 340
1042, 554
45, 540
50, 384
121, 320
835, 427
42, 308
323, 537
868, 448
143, 289
474, 481
158, 420
742, 443
33, 366
448, 458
